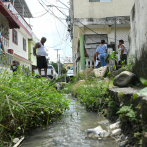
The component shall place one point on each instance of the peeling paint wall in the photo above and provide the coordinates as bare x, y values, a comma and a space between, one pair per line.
86, 9
138, 37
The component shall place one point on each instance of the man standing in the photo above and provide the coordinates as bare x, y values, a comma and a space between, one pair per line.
41, 56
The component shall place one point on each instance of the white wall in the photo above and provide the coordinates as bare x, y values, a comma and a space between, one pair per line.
18, 49
86, 9
138, 37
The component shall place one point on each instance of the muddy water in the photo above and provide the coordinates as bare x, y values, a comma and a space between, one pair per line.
70, 130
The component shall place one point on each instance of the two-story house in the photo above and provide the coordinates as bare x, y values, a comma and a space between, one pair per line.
94, 20
7, 21
18, 37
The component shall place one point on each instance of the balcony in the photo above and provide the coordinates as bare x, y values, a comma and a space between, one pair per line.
6, 60
21, 21
5, 41
89, 63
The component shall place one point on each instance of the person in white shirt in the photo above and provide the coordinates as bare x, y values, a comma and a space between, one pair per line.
41, 56
122, 52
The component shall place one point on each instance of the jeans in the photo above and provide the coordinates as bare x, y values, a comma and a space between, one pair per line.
102, 59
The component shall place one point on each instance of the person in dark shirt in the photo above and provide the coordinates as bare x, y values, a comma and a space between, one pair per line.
14, 66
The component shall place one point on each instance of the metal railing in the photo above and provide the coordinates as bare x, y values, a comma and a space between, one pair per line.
14, 11
6, 60
5, 42
89, 63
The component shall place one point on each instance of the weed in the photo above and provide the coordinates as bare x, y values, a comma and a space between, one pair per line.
27, 103
127, 112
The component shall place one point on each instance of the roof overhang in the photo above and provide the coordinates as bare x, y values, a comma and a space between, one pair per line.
7, 14
19, 4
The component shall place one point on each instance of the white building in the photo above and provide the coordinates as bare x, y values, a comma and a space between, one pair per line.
94, 20
17, 39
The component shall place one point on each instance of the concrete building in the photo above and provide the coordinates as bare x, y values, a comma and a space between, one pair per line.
17, 39
7, 21
138, 38
92, 21
68, 66
31, 44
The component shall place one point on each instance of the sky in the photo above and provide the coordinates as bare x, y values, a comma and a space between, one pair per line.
50, 27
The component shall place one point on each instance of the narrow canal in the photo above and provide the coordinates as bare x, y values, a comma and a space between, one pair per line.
69, 131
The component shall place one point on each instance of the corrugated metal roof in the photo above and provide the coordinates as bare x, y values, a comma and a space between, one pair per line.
19, 5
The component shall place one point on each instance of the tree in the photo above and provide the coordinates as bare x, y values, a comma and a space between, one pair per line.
55, 65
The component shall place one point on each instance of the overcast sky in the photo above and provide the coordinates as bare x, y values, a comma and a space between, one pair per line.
50, 27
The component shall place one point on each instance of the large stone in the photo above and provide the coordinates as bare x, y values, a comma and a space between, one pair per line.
115, 73
116, 132
115, 126
125, 79
101, 72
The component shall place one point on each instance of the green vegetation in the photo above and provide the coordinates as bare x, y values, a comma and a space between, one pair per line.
91, 92
55, 65
127, 113
27, 103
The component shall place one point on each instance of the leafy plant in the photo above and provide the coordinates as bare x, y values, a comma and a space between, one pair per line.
111, 56
130, 64
127, 112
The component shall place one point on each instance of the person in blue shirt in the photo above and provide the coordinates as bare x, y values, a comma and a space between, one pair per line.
101, 52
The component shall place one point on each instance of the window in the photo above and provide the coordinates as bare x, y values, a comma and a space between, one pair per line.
15, 37
100, 0
24, 44
68, 67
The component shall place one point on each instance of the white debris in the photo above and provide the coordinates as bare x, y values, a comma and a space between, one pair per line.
115, 126
15, 140
116, 132
98, 131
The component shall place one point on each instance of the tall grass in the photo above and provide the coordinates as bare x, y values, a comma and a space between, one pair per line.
91, 91
26, 103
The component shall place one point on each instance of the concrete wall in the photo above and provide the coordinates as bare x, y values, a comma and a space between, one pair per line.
18, 49
31, 57
68, 65
138, 37
86, 9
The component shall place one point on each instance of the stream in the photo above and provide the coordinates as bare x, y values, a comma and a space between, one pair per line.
69, 131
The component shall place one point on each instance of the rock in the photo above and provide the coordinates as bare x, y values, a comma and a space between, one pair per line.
144, 140
115, 73
100, 72
115, 126
123, 144
98, 131
116, 132
15, 140
125, 79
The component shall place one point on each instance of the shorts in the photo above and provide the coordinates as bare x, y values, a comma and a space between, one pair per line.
124, 58
41, 62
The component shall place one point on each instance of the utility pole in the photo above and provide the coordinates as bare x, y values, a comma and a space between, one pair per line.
59, 66
58, 61
115, 31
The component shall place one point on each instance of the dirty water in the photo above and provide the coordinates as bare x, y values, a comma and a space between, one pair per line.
69, 131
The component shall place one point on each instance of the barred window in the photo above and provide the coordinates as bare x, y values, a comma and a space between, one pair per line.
24, 44
15, 37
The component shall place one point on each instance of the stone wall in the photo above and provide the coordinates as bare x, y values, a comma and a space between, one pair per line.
138, 38
139, 105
